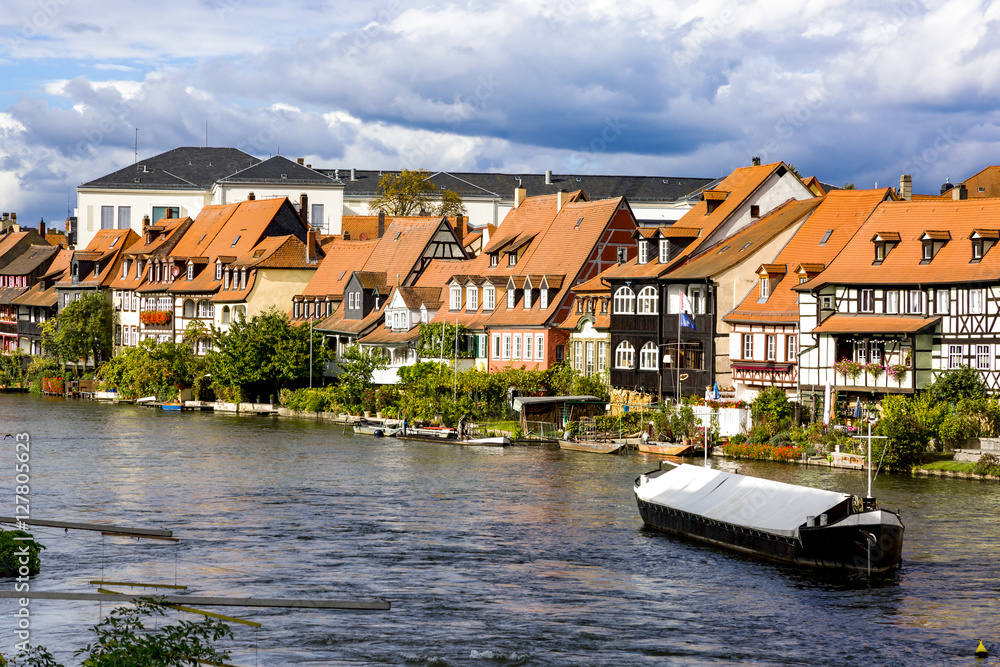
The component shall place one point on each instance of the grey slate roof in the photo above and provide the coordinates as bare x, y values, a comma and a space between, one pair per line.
30, 260
279, 169
188, 168
472, 184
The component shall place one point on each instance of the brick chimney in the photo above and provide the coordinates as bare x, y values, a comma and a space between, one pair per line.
304, 208
311, 239
755, 161
41, 228
301, 161
520, 194
145, 224
251, 197
906, 187
561, 199
381, 224
959, 192
460, 228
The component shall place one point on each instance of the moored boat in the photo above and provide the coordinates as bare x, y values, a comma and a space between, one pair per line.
375, 428
593, 446
772, 520
665, 449
496, 441
427, 433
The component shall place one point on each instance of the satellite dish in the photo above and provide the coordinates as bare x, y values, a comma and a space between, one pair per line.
176, 271
363, 236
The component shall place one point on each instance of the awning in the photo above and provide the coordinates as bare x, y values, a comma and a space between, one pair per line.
761, 366
871, 324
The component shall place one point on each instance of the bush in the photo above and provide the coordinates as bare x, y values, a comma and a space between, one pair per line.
907, 433
9, 548
988, 464
955, 430
954, 385
761, 452
771, 412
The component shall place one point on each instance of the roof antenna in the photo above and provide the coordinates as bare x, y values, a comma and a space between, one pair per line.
136, 146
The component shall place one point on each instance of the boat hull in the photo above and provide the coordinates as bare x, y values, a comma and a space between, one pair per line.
667, 450
865, 542
591, 446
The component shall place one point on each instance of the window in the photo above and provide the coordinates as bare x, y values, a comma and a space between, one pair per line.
160, 212
206, 308
827, 302
647, 301
602, 356
916, 302
226, 282
353, 300
456, 297
124, 217
643, 251
772, 346
624, 301
528, 346
697, 298
928, 252
578, 355
318, 216
107, 217
983, 357
976, 301
867, 302
892, 301
792, 342
243, 278
511, 259
543, 298
954, 356
517, 346
624, 355
942, 297
754, 211
977, 249
560, 353
879, 252
506, 346
539, 347
664, 251
511, 297
826, 237
765, 288
647, 357
125, 267
747, 346
489, 297
235, 241
189, 308
588, 368
218, 271
190, 271
527, 296
496, 346
472, 297
494, 259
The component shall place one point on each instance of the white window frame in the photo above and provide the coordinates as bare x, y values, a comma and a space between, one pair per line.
496, 346
892, 301
696, 295
190, 271
955, 353
771, 347
511, 298
624, 356
643, 251
456, 298
472, 298
976, 301
540, 347
942, 299
528, 346
664, 251
489, 297
765, 288
647, 357
578, 355
602, 356
517, 347
915, 302
624, 302
543, 298
747, 344
527, 298
983, 357
866, 301
506, 346
646, 301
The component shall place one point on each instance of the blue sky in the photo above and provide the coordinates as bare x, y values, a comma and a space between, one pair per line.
849, 91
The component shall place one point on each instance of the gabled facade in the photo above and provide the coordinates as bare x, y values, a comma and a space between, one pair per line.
15, 279
589, 327
38, 304
763, 340
915, 293
95, 267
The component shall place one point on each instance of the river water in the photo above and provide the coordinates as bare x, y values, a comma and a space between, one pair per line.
489, 556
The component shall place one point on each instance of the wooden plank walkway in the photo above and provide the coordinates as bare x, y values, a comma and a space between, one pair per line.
202, 601
132, 532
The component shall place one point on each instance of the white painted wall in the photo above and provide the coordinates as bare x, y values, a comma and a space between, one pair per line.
330, 196
141, 202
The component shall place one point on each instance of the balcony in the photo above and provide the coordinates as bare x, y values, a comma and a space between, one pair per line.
26, 328
8, 327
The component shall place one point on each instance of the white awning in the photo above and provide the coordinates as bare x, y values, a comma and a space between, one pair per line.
773, 507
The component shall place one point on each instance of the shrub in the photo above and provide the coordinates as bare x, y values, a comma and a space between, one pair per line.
955, 430
761, 452
954, 385
988, 464
9, 557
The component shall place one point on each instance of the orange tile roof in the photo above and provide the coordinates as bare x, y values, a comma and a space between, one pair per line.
342, 259
234, 295
903, 264
867, 324
361, 227
842, 213
988, 179
276, 252
202, 232
399, 249
107, 246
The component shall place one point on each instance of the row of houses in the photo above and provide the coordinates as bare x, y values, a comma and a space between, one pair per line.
768, 279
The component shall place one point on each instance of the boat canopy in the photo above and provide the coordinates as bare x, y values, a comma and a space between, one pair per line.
773, 507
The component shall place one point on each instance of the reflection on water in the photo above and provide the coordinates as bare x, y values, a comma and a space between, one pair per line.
489, 556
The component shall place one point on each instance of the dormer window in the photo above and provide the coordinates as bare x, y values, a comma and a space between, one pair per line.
494, 259
932, 241
126, 265
928, 251
218, 271
456, 297
226, 282
243, 278
543, 299
511, 296
879, 252
765, 286
138, 269
643, 251
527, 297
664, 251
977, 248
489, 297
512, 259
190, 271
471, 297
884, 242
982, 241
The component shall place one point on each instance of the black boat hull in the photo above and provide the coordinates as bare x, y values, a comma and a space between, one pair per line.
865, 542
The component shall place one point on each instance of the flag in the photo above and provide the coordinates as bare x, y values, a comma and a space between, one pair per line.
857, 409
687, 322
715, 391
685, 304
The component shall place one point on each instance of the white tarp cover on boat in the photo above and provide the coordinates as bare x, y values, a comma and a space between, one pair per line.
774, 507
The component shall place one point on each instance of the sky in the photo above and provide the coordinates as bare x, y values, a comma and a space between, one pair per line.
849, 91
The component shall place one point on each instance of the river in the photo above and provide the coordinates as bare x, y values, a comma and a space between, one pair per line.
489, 556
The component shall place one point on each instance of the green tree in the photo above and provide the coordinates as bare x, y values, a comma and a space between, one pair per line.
430, 344
123, 638
152, 368
357, 369
771, 412
848, 186
265, 348
954, 385
81, 331
410, 192
907, 435
565, 381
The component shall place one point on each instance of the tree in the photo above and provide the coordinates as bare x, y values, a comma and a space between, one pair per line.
357, 370
81, 331
963, 382
122, 638
410, 192
771, 412
848, 186
152, 369
907, 436
265, 348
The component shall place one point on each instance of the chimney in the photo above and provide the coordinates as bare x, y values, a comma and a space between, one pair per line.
353, 176
309, 166
301, 161
520, 194
906, 187
41, 228
959, 192
145, 224
13, 218
251, 197
312, 240
381, 223
347, 235
561, 199
460, 228
304, 208
755, 161
548, 177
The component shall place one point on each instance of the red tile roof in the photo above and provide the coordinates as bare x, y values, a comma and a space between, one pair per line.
342, 259
870, 324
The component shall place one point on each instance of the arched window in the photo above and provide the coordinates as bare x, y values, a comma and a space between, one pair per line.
647, 301
624, 301
225, 314
625, 355
647, 357
188, 308
239, 312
